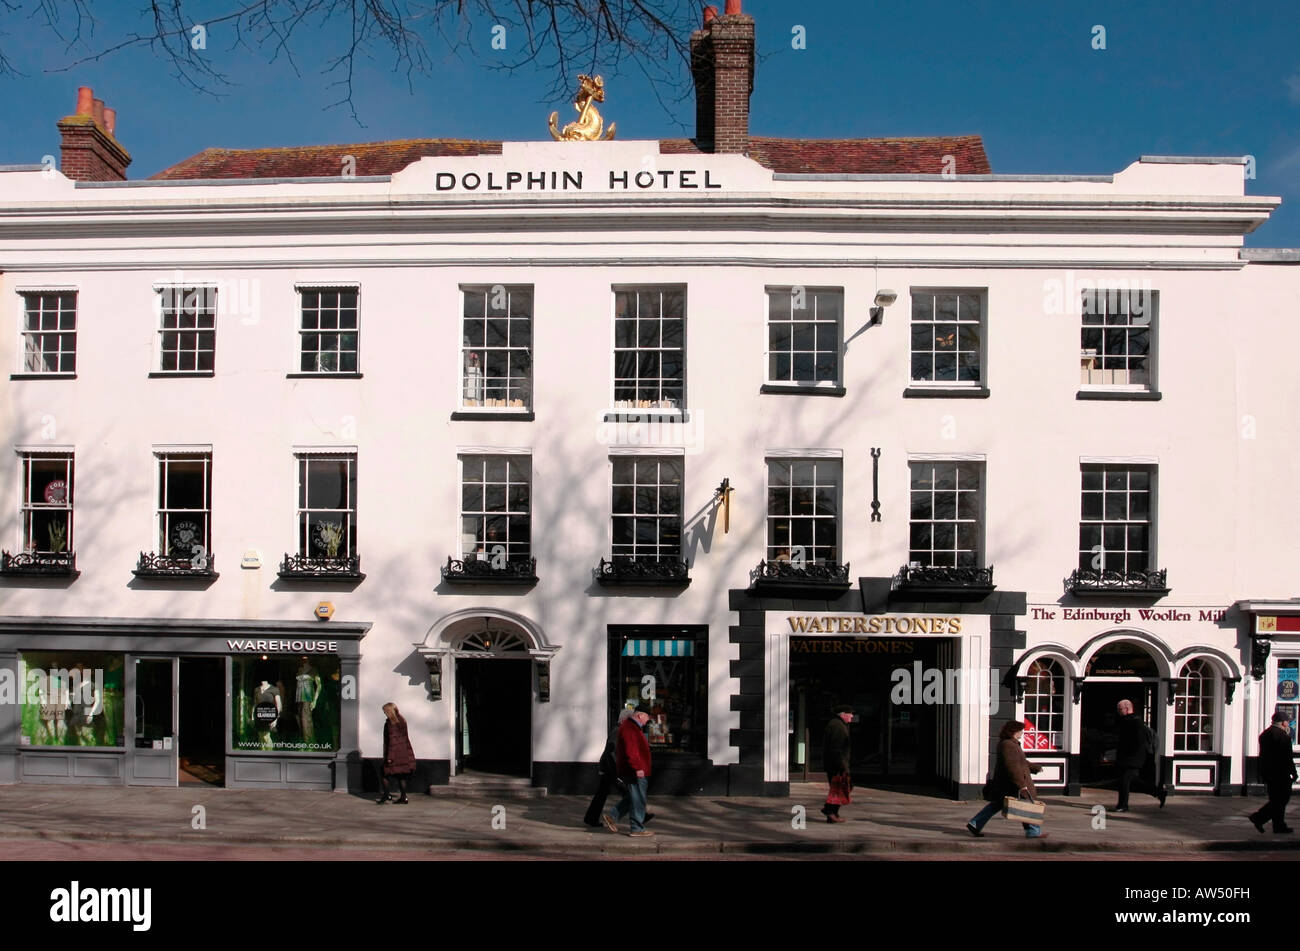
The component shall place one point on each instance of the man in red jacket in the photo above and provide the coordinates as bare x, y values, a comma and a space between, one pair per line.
632, 756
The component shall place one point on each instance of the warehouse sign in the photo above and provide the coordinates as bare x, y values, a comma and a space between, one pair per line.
540, 180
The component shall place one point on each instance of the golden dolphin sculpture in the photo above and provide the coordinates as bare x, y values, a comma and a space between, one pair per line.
588, 126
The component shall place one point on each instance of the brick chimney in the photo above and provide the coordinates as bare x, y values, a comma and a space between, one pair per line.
90, 153
722, 62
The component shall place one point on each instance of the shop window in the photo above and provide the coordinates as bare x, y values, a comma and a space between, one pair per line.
947, 337
1116, 343
804, 333
1117, 519
71, 698
662, 670
1044, 706
50, 332
497, 347
285, 703
1194, 708
328, 335
803, 511
184, 504
947, 515
647, 509
650, 348
1288, 691
495, 515
187, 330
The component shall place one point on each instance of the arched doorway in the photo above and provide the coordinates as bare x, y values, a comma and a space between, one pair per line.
488, 663
1124, 669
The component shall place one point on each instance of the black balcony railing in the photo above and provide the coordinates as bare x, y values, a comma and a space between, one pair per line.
1142, 583
664, 573
324, 568
153, 565
61, 564
521, 571
944, 580
828, 579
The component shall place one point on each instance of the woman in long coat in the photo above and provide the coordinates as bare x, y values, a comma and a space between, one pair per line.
1011, 777
836, 749
399, 758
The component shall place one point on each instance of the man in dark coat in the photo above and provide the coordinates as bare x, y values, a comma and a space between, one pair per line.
1136, 740
1277, 770
836, 750
632, 758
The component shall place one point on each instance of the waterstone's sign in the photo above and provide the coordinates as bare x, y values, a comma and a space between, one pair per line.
875, 624
513, 180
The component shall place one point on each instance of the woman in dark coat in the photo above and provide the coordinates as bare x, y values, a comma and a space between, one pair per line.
1011, 777
836, 751
399, 758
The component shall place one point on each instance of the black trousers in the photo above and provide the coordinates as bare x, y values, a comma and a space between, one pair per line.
592, 818
1279, 794
1128, 780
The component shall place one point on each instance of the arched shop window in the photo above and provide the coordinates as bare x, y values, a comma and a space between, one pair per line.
1044, 706
1194, 708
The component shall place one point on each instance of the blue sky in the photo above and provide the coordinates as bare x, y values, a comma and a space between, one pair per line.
1199, 77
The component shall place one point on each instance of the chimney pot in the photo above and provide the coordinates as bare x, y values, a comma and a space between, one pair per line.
110, 120
85, 100
733, 7
90, 152
710, 14
99, 112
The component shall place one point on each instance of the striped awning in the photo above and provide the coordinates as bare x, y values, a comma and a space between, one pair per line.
659, 648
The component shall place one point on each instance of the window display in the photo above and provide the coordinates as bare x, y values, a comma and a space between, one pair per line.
664, 676
285, 704
1288, 690
71, 699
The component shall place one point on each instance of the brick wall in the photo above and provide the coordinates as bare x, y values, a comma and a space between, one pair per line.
722, 63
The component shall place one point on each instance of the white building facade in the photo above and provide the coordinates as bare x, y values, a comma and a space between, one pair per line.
549, 430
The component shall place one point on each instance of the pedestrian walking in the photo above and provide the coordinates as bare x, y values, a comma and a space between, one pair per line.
1137, 741
632, 761
1011, 777
399, 758
606, 773
1277, 770
836, 750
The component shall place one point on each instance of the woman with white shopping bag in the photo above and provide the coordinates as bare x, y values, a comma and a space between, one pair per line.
1011, 778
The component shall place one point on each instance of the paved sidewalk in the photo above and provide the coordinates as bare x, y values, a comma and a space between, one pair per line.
878, 822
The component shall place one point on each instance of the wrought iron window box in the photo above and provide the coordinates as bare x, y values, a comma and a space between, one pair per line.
810, 581
1148, 584
480, 571
39, 564
944, 581
643, 574
324, 568
152, 565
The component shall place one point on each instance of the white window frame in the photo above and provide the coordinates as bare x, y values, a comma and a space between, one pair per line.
1209, 706
769, 546
811, 294
472, 396
26, 351
1101, 297
303, 332
323, 454
981, 555
210, 291
1058, 708
659, 457
27, 508
633, 405
982, 326
1150, 521
482, 456
163, 457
